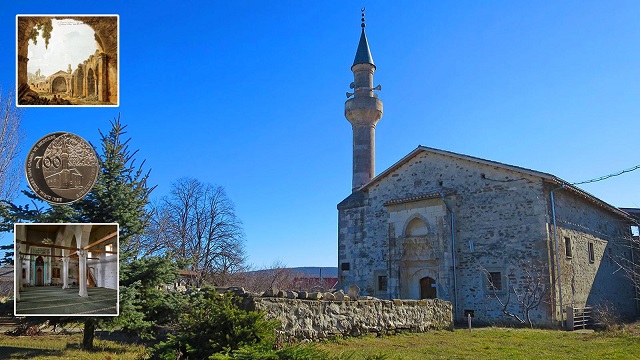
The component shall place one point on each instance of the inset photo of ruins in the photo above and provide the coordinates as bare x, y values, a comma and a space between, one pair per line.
67, 60
66, 269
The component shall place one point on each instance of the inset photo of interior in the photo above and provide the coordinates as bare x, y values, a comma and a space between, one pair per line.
66, 269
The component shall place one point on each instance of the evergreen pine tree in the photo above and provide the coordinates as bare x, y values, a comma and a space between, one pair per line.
120, 195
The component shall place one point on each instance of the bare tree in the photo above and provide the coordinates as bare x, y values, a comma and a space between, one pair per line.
196, 222
528, 293
11, 137
275, 276
153, 242
629, 261
632, 263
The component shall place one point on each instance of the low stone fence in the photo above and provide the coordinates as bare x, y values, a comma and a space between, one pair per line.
304, 319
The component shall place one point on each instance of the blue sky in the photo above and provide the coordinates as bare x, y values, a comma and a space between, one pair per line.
250, 95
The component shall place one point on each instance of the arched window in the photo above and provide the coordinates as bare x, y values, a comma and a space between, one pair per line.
417, 227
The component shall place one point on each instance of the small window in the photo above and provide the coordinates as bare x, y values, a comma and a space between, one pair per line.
382, 283
345, 266
494, 280
108, 248
567, 247
55, 273
592, 257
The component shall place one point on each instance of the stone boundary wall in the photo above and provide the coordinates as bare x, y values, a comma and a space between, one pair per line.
305, 320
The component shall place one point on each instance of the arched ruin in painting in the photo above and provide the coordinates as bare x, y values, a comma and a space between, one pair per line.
93, 81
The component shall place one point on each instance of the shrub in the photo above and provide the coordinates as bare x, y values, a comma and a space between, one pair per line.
214, 323
606, 316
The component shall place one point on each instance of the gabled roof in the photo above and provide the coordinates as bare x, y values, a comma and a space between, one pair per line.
427, 196
187, 273
545, 176
59, 72
633, 212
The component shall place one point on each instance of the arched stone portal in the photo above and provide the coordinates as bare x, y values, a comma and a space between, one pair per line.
428, 288
59, 85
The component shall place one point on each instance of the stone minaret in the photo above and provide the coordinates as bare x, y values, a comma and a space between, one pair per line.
363, 111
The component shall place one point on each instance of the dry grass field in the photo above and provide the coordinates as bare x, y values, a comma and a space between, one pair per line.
51, 347
482, 343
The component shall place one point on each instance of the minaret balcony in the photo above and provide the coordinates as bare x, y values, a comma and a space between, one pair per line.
363, 110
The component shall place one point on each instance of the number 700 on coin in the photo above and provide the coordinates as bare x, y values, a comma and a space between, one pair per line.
61, 168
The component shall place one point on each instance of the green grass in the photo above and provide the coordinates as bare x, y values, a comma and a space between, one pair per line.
491, 343
64, 347
482, 343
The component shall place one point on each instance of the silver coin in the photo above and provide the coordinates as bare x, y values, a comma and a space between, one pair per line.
61, 168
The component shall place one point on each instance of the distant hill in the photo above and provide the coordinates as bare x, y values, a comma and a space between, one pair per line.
311, 271
314, 271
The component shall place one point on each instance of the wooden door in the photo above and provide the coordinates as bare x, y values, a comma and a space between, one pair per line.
39, 276
39, 271
428, 288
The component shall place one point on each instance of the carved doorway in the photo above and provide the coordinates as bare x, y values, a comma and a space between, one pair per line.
39, 271
428, 288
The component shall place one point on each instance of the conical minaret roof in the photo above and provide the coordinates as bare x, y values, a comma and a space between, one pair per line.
363, 54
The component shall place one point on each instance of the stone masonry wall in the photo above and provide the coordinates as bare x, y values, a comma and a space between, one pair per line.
596, 280
320, 319
502, 225
500, 218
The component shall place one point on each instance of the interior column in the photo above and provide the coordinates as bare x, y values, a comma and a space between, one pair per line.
65, 273
82, 278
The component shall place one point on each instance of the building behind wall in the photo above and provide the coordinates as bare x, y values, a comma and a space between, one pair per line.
438, 224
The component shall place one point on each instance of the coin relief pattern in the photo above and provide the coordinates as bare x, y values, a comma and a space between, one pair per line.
61, 168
